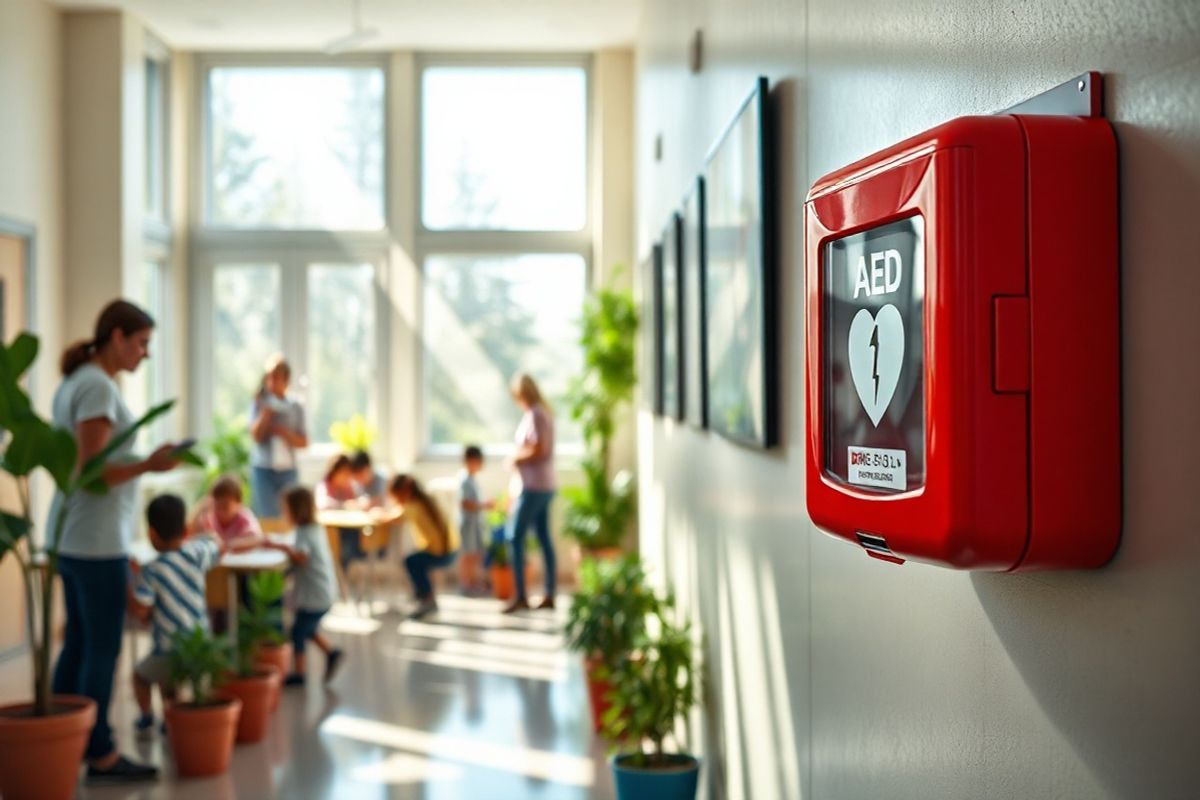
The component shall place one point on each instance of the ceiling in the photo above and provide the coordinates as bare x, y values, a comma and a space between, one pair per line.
302, 25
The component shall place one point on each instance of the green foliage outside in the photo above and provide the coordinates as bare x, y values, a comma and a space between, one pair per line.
599, 511
227, 452
261, 622
34, 444
199, 661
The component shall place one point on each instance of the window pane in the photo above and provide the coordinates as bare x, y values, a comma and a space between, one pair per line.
487, 318
296, 147
145, 386
155, 140
246, 332
342, 369
504, 148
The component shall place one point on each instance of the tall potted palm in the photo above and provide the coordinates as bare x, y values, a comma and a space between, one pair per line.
598, 511
42, 742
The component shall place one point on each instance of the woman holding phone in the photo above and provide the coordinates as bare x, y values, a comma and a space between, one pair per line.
94, 549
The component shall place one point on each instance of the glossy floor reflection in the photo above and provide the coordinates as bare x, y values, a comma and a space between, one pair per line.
466, 703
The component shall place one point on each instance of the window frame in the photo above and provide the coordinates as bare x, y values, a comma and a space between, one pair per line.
485, 242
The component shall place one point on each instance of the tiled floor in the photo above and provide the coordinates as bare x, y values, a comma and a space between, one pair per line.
465, 704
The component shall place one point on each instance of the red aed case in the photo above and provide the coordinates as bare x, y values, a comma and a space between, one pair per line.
962, 349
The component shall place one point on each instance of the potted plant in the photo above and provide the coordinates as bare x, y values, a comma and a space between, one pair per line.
264, 618
598, 511
42, 742
228, 453
607, 617
255, 682
201, 730
500, 571
651, 693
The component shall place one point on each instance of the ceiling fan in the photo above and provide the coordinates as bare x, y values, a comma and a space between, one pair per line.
357, 36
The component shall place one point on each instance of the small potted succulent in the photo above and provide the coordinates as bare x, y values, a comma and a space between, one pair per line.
254, 682
607, 617
651, 692
202, 729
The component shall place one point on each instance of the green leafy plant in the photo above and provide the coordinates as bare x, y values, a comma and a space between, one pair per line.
199, 661
651, 692
227, 452
609, 611
354, 434
261, 622
599, 511
498, 554
34, 444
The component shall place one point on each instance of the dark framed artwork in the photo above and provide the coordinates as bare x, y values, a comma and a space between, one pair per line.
651, 331
692, 270
671, 350
739, 278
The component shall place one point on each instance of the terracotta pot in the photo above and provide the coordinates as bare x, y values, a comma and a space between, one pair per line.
202, 736
279, 658
504, 585
39, 756
598, 690
256, 693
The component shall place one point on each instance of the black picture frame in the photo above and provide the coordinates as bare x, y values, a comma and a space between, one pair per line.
740, 277
651, 330
695, 394
671, 307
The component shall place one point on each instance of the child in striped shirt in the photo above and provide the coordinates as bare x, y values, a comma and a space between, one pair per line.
169, 593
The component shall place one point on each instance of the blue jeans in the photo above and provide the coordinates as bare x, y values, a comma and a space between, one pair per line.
305, 627
419, 565
533, 508
266, 485
94, 590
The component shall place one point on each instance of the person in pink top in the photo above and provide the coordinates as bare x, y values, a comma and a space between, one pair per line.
533, 458
224, 515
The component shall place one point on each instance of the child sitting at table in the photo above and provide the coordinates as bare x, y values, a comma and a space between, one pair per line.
338, 490
471, 526
168, 593
431, 536
223, 514
316, 585
372, 486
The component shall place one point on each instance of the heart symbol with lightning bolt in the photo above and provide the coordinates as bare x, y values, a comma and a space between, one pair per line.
876, 348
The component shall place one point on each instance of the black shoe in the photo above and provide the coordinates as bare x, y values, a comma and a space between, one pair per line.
332, 661
520, 604
123, 771
295, 679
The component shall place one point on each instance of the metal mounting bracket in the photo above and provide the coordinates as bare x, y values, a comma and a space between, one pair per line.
1082, 96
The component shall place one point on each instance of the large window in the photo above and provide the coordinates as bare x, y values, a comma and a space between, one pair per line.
247, 330
342, 363
505, 244
487, 318
156, 138
295, 147
146, 386
504, 148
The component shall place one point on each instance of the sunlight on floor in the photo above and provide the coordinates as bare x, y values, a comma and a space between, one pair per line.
401, 768
484, 665
527, 640
540, 764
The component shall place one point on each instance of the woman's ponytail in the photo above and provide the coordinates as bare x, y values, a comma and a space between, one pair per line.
76, 356
119, 314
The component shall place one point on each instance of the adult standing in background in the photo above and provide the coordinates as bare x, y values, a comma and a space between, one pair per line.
278, 429
94, 549
534, 460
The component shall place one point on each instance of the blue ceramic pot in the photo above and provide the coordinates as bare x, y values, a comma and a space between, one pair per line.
677, 781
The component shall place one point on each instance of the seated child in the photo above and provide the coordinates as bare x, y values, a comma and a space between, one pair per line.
372, 486
431, 536
338, 490
223, 514
169, 593
470, 520
316, 585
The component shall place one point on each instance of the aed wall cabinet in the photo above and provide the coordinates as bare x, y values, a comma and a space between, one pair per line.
963, 346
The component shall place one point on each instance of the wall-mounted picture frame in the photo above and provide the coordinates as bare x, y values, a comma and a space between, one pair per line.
671, 351
692, 270
650, 332
739, 278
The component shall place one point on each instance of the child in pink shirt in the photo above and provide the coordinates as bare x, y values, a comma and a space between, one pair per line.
224, 515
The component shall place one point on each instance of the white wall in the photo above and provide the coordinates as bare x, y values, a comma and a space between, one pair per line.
836, 676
